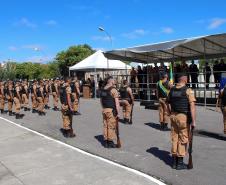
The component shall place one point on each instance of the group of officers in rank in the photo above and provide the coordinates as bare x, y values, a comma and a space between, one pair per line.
18, 93
176, 106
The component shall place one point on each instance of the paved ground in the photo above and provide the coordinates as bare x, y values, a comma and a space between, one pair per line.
30, 159
144, 147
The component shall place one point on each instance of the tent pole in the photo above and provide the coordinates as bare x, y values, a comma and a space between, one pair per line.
95, 81
69, 73
147, 81
204, 45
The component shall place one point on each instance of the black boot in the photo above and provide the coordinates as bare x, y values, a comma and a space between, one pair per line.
165, 126
175, 160
76, 113
10, 113
64, 132
126, 121
21, 115
71, 133
25, 108
18, 116
180, 164
161, 126
34, 111
2, 111
111, 144
105, 143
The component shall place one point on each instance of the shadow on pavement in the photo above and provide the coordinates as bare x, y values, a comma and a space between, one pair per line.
100, 138
155, 126
161, 154
203, 133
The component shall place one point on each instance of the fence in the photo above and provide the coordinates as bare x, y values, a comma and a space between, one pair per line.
145, 86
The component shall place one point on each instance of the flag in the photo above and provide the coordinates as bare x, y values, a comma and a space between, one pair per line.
171, 73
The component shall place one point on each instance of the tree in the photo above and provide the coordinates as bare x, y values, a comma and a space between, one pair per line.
71, 56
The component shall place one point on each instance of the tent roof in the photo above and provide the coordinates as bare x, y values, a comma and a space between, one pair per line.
99, 61
210, 46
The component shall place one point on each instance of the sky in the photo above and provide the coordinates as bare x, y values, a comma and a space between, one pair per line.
51, 26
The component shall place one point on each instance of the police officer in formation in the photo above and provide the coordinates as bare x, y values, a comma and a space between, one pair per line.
182, 115
178, 102
109, 98
163, 88
126, 101
67, 108
75, 90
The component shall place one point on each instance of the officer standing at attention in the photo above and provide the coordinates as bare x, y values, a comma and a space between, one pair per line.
182, 114
75, 95
163, 88
127, 101
9, 96
110, 104
40, 98
66, 108
2, 97
46, 91
25, 95
34, 96
17, 100
54, 88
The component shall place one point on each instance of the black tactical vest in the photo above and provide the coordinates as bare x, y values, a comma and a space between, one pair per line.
106, 98
53, 87
223, 98
73, 88
38, 92
124, 94
23, 91
178, 100
15, 93
63, 95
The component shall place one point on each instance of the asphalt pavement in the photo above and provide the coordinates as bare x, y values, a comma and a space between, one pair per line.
144, 146
28, 158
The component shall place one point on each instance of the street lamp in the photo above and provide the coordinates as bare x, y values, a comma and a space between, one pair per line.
37, 49
110, 38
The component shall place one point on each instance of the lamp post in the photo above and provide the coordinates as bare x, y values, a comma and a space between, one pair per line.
110, 38
37, 49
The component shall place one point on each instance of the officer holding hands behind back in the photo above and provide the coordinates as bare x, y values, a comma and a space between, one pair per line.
182, 112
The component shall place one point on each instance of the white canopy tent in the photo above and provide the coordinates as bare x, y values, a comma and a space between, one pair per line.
98, 62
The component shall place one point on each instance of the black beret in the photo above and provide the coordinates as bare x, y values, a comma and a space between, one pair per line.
181, 75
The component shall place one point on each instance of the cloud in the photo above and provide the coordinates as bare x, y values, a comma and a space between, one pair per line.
216, 23
12, 48
51, 23
32, 46
135, 34
24, 22
167, 30
102, 38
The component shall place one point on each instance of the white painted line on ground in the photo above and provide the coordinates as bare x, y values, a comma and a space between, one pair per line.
89, 154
